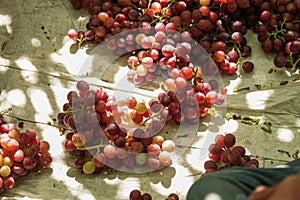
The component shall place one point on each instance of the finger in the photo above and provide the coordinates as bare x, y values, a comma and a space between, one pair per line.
260, 188
264, 194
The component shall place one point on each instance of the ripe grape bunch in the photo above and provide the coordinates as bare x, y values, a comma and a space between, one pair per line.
279, 31
119, 134
20, 153
183, 82
219, 26
223, 154
137, 195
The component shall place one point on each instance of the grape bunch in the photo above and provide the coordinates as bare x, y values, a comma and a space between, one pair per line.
101, 135
187, 95
278, 31
137, 195
218, 26
224, 154
20, 153
160, 52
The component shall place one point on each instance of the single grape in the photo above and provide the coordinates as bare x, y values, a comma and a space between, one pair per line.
83, 86
19, 155
229, 140
215, 158
215, 149
173, 196
165, 157
154, 163
44, 147
141, 108
136, 147
210, 165
109, 151
45, 159
5, 171
29, 163
99, 160
141, 159
236, 37
170, 85
154, 149
112, 129
146, 196
12, 145
158, 139
120, 141
240, 149
69, 145
280, 61
14, 133
135, 195
234, 157
168, 145
73, 34
88, 167
78, 139
247, 66
8, 182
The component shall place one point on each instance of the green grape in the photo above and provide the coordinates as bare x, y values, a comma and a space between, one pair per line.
141, 108
88, 167
141, 159
5, 171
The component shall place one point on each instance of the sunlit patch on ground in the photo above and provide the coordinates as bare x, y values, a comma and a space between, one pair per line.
285, 135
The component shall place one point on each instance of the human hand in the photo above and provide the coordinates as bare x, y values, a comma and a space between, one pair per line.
287, 189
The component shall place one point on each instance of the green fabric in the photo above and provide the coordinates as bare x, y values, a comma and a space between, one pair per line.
237, 183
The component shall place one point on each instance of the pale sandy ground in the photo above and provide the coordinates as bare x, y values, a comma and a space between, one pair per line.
38, 66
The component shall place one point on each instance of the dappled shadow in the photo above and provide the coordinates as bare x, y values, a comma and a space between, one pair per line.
33, 84
39, 65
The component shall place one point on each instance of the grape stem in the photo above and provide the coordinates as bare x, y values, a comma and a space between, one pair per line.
267, 128
294, 64
149, 4
5, 111
135, 7
277, 32
296, 154
237, 48
265, 158
283, 151
92, 147
171, 3
36, 122
251, 119
240, 89
81, 40
150, 118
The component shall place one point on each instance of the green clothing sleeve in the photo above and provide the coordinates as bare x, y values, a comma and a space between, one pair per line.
237, 183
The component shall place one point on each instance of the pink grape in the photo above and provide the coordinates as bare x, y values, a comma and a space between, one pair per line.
153, 149
109, 151
154, 163
165, 157
168, 145
170, 85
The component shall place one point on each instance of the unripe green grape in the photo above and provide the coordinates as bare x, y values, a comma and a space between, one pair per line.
88, 167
